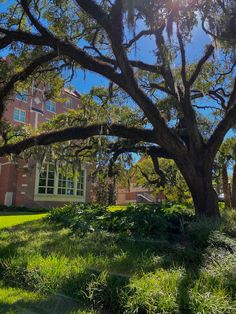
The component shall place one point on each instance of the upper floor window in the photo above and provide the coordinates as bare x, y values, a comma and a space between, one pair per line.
69, 103
22, 96
19, 115
50, 106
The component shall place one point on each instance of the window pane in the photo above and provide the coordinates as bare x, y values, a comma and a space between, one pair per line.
49, 190
50, 182
80, 184
69, 192
51, 175
50, 106
22, 96
61, 191
46, 180
19, 115
22, 116
80, 192
42, 190
16, 114
42, 182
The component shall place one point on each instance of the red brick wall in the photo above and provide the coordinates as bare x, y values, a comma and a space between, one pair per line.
17, 178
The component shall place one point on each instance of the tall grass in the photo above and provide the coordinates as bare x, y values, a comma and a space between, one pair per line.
191, 272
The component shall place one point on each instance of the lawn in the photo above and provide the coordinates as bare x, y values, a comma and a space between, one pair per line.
115, 273
20, 301
12, 219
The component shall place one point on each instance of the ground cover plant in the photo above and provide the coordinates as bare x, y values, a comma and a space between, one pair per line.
193, 271
133, 220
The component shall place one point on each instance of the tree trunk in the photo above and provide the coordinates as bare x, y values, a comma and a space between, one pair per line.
199, 180
205, 199
233, 200
225, 182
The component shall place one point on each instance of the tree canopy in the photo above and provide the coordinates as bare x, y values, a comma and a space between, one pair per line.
174, 92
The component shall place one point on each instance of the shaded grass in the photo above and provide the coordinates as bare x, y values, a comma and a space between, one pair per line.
19, 301
11, 219
194, 274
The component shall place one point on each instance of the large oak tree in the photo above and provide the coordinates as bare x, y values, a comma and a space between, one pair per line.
171, 90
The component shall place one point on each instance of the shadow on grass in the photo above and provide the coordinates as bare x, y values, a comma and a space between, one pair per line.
39, 304
20, 213
122, 254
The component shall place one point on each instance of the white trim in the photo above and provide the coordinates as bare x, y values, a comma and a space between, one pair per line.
55, 196
22, 193
24, 185
58, 198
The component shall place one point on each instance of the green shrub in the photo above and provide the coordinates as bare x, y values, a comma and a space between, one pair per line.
135, 220
199, 231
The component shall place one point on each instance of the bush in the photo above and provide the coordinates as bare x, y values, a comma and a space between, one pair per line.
136, 220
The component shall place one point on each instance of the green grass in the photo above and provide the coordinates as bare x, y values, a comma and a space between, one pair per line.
109, 272
20, 301
116, 208
12, 219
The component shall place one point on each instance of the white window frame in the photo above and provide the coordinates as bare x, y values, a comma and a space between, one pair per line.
20, 95
59, 197
20, 112
49, 108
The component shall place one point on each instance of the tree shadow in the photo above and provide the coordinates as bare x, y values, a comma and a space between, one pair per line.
54, 304
135, 256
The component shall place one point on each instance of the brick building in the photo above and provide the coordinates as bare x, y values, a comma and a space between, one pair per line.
27, 184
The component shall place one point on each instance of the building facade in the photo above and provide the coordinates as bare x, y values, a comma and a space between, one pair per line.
137, 194
27, 183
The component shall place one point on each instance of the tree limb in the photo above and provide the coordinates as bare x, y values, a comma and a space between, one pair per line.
76, 133
200, 64
22, 76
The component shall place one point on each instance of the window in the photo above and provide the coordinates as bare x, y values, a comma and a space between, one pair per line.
60, 182
19, 115
50, 106
46, 180
22, 96
80, 184
66, 185
69, 103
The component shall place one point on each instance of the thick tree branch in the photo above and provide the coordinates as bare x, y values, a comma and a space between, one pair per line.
183, 58
24, 37
76, 133
22, 76
200, 64
224, 126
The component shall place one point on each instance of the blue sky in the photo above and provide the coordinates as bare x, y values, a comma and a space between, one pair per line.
84, 81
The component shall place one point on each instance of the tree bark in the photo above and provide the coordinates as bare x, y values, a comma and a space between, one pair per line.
205, 199
233, 200
198, 176
225, 182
